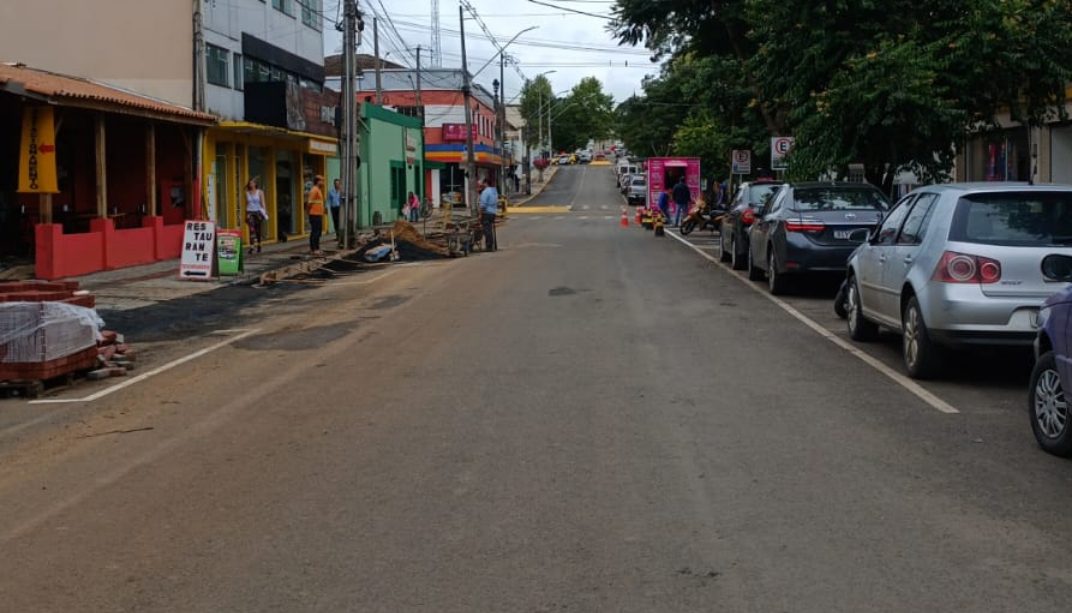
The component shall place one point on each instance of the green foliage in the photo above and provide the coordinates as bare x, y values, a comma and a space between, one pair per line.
534, 93
893, 85
585, 113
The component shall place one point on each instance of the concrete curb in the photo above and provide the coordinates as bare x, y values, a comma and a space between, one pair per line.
539, 191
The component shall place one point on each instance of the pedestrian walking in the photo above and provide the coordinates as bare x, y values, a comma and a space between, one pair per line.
682, 197
489, 206
256, 214
314, 206
334, 203
664, 205
414, 208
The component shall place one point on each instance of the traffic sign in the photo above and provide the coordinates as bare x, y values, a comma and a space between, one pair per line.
742, 162
780, 146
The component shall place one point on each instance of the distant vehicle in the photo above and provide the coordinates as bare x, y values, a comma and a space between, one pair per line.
637, 192
740, 214
1047, 404
808, 228
623, 176
573, 158
663, 173
959, 265
585, 157
563, 160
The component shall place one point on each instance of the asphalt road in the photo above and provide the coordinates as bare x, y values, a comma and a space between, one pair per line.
590, 419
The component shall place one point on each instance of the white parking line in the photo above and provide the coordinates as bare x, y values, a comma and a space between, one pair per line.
151, 373
934, 401
583, 217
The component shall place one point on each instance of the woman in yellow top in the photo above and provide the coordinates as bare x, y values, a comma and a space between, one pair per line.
314, 206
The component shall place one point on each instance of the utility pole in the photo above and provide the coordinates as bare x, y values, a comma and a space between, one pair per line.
539, 114
199, 59
351, 34
500, 119
420, 105
379, 62
470, 163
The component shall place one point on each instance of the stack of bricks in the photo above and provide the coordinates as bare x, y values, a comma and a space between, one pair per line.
114, 357
42, 291
109, 353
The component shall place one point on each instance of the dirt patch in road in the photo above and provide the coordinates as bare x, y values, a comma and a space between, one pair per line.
300, 339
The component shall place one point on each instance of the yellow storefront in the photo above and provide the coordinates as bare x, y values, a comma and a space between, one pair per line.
284, 163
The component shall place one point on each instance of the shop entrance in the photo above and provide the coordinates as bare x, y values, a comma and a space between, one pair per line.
287, 202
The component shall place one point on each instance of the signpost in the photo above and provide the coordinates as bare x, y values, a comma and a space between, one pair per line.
779, 148
229, 252
198, 250
742, 162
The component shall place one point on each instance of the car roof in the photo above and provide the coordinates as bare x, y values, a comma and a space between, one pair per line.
812, 184
996, 186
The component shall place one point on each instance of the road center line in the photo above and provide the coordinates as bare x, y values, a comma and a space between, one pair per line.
152, 373
934, 401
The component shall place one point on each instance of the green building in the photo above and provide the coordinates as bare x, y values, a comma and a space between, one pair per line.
392, 164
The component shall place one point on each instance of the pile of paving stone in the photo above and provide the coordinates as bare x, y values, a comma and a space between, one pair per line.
49, 331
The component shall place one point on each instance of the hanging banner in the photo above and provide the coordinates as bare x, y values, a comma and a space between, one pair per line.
37, 154
198, 250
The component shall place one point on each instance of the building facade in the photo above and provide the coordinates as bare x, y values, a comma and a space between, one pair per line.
441, 106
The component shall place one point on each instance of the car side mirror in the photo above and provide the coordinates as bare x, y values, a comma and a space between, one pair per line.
860, 235
1057, 267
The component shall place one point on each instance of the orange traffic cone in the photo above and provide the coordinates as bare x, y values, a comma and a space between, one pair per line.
639, 212
625, 219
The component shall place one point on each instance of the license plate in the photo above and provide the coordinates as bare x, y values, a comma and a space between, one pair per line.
842, 234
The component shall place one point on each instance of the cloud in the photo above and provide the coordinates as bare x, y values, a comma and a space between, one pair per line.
589, 50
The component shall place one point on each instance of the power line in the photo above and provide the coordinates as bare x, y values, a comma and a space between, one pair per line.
538, 42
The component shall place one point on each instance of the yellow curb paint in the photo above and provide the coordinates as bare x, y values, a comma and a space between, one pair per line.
539, 210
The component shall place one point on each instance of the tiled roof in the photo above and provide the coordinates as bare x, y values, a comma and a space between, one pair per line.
73, 90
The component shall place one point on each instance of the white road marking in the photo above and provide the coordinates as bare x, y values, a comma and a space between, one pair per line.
603, 207
560, 217
934, 401
585, 207
608, 217
152, 373
583, 216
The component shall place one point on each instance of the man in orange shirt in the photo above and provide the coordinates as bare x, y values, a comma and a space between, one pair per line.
314, 206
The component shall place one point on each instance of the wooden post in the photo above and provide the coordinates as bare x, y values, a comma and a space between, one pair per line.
101, 166
150, 169
45, 208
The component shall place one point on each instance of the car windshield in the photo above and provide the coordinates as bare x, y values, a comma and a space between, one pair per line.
757, 194
638, 181
1026, 219
838, 199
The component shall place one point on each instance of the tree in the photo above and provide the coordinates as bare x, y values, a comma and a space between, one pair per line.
585, 113
893, 85
536, 95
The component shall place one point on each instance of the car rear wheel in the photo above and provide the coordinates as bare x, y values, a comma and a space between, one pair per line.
860, 328
922, 356
754, 272
777, 283
723, 255
1048, 408
741, 261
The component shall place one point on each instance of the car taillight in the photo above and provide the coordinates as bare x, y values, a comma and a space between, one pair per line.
804, 226
964, 268
748, 217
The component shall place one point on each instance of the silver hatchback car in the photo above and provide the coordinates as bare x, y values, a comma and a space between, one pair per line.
959, 264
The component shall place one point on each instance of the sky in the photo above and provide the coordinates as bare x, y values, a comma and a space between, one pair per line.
573, 45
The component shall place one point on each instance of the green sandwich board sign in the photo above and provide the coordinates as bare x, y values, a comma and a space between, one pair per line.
229, 252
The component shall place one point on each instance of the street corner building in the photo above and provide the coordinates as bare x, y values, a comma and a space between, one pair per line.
122, 182
162, 112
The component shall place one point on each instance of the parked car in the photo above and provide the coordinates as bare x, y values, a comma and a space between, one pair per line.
627, 177
637, 193
808, 228
1047, 404
563, 160
585, 157
959, 265
740, 214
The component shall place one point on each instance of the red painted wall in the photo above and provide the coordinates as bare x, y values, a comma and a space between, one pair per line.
433, 136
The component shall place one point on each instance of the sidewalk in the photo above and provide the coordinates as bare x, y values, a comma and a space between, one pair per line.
138, 286
519, 198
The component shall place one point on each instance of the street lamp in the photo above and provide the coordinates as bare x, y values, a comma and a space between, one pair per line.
503, 49
539, 109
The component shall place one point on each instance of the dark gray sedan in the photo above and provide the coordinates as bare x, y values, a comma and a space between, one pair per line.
808, 228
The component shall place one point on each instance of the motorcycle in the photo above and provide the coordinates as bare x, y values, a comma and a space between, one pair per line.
702, 217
